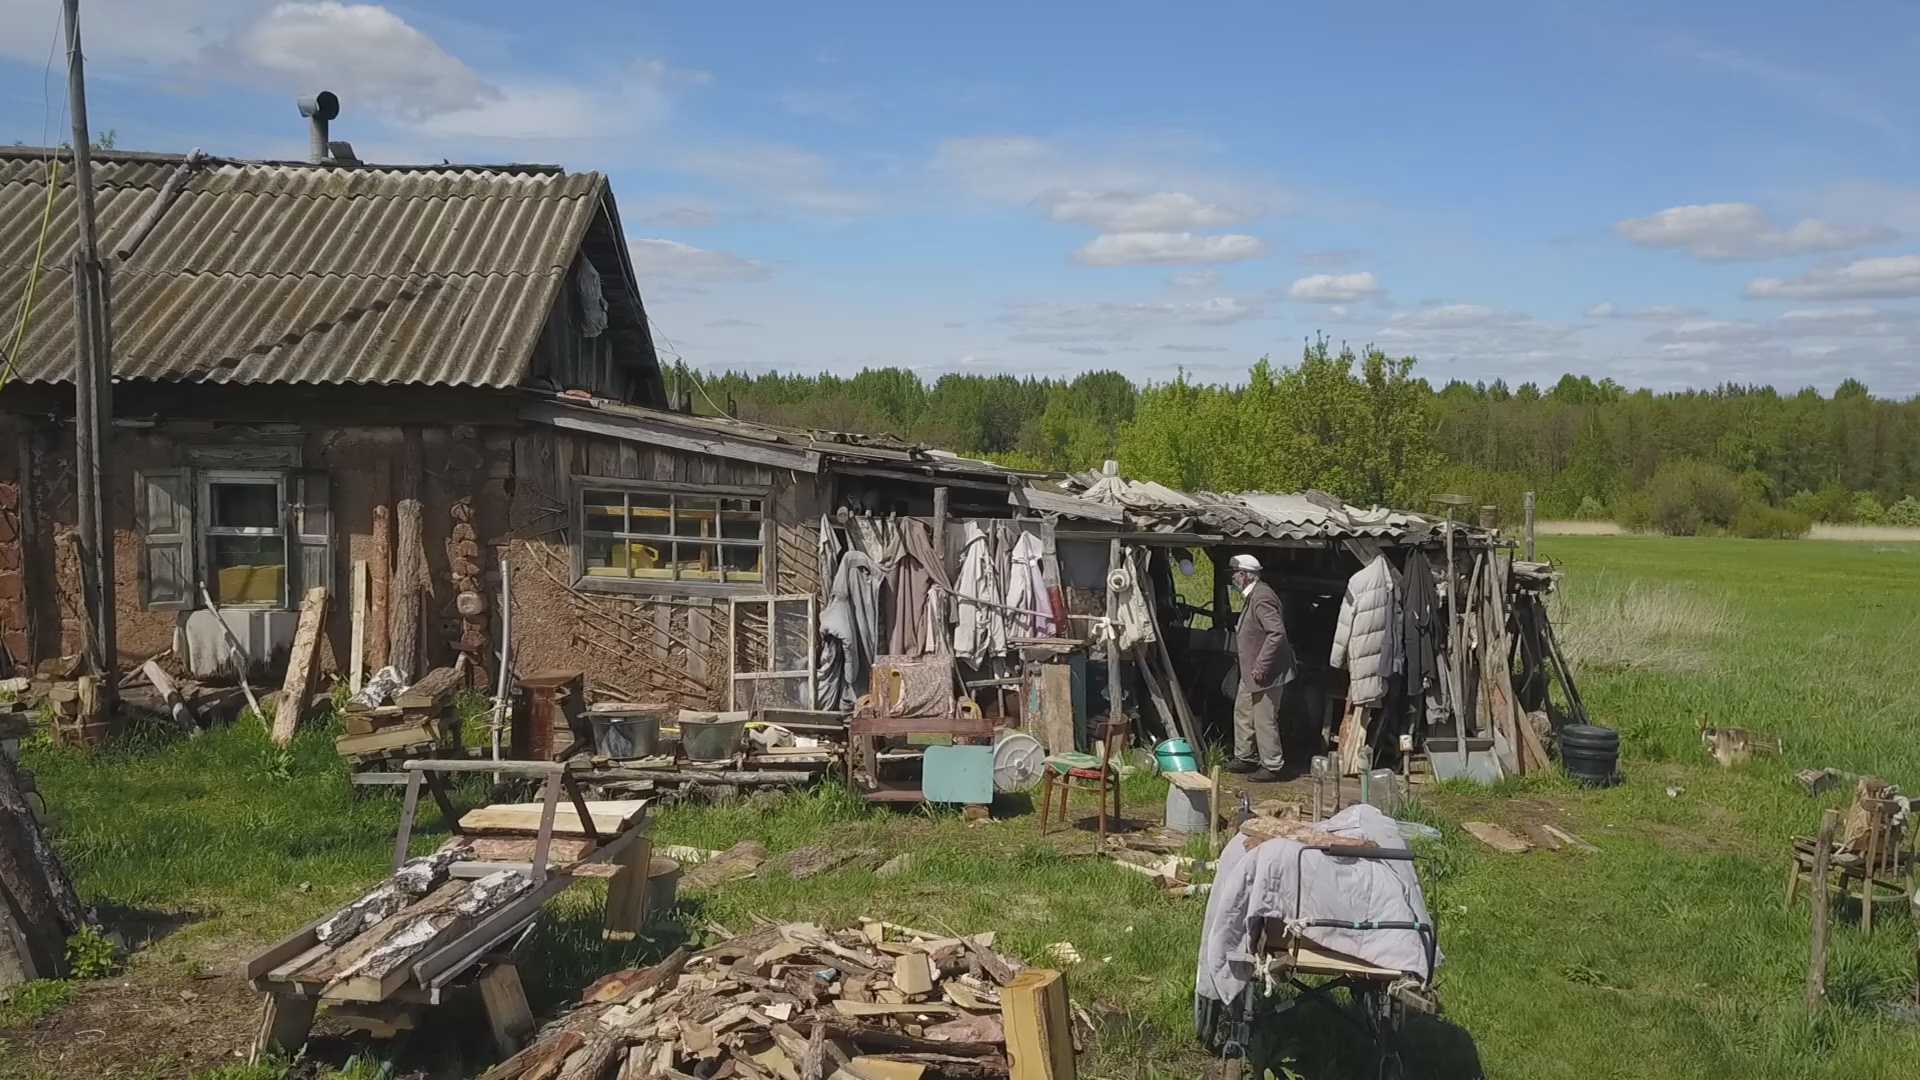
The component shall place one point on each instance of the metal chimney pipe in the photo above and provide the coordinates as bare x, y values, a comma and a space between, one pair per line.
318, 109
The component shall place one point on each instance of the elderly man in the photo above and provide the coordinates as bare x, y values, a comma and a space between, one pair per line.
1266, 663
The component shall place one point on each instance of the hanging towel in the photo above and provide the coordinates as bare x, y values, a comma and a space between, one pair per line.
1027, 588
980, 623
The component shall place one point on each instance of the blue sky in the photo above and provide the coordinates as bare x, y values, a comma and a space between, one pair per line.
1668, 195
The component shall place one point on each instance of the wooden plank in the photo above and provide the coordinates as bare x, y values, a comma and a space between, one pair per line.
298, 687
858, 1009
285, 1020
659, 433
1056, 708
176, 705
357, 648
1822, 908
1497, 838
1569, 839
609, 817
1189, 781
1034, 1012
398, 737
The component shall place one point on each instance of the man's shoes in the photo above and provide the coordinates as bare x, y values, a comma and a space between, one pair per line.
1238, 766
1263, 776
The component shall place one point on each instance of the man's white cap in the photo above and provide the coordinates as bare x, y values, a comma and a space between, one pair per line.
1244, 562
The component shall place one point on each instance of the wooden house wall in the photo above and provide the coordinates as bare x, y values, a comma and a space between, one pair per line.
632, 646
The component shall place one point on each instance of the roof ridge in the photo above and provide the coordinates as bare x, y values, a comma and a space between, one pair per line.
121, 272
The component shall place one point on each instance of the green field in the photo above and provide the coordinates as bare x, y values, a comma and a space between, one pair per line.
1668, 954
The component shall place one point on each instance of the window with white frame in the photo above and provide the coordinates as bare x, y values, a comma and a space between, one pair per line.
639, 536
255, 538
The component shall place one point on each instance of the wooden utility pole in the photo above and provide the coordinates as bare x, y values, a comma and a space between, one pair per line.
92, 380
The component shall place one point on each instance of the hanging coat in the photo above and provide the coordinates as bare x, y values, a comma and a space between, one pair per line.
913, 587
1420, 624
1027, 589
849, 632
979, 621
1366, 639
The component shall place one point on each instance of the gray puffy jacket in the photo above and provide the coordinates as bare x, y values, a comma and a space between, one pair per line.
1366, 640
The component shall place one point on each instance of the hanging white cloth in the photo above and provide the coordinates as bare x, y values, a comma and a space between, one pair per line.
1131, 619
1027, 588
980, 623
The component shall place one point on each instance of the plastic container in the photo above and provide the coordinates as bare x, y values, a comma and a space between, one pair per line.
1176, 755
1590, 754
632, 732
1187, 810
663, 885
711, 736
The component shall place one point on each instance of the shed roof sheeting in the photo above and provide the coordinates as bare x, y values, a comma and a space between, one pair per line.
1252, 516
260, 272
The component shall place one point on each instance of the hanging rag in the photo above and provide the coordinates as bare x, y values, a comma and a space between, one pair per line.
850, 630
1131, 620
827, 550
1366, 639
1027, 589
914, 605
979, 614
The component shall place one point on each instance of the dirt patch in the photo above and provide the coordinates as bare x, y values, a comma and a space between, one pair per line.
155, 1023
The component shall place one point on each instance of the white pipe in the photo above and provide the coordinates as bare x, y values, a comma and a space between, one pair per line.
506, 646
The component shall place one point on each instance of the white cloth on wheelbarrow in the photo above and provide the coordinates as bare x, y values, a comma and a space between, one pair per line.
1255, 885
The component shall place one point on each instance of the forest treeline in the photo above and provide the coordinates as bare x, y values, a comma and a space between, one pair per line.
1366, 427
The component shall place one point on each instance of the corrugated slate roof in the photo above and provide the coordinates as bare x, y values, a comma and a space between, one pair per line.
1252, 515
264, 272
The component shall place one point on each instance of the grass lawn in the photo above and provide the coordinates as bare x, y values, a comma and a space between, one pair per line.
1667, 954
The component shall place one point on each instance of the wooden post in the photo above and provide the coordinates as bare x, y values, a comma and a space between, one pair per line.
170, 694
627, 892
92, 380
410, 564
940, 524
301, 659
285, 1021
357, 648
1213, 814
1033, 1010
379, 573
1822, 904
506, 1006
1526, 508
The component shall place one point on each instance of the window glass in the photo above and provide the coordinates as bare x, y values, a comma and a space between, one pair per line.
244, 506
671, 535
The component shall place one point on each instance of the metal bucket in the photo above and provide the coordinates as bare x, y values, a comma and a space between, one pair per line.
1176, 755
663, 885
1187, 810
711, 736
632, 732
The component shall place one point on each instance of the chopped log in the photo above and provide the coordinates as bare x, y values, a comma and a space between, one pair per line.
176, 705
379, 574
407, 589
301, 661
1039, 1026
742, 860
913, 974
542, 1059
625, 985
412, 881
429, 690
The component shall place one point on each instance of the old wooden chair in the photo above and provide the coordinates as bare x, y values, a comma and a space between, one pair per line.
1886, 860
1085, 772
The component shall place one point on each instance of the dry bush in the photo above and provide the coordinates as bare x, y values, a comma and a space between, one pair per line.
1613, 624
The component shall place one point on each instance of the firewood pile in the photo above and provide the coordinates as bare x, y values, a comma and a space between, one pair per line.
794, 1001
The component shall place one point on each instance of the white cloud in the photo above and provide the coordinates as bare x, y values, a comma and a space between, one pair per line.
1125, 211
1193, 280
671, 262
1146, 248
367, 53
1889, 277
1731, 231
658, 72
1330, 259
1652, 313
1194, 348
1151, 175
1106, 322
1334, 288
1481, 341
786, 175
